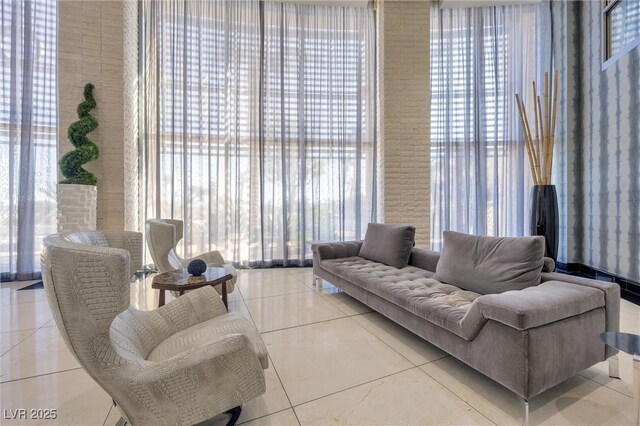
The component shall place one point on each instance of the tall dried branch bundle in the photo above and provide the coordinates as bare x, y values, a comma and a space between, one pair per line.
540, 149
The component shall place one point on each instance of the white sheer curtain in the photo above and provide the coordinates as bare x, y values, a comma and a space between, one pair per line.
481, 57
28, 126
258, 125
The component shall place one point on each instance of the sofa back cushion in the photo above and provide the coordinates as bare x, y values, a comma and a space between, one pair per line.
488, 265
388, 244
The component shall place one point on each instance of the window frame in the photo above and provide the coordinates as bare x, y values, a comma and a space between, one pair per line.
607, 59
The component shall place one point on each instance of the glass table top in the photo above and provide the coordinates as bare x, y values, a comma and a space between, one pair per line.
626, 342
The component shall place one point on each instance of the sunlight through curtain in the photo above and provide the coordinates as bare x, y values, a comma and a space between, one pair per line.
481, 57
28, 133
258, 125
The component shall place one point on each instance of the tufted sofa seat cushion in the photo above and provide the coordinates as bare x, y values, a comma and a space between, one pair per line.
411, 288
360, 271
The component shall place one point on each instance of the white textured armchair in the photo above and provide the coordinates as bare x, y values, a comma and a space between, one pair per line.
163, 235
183, 363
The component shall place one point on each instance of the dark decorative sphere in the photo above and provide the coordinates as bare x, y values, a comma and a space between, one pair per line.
197, 267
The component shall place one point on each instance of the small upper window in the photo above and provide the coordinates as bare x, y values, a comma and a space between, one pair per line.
621, 26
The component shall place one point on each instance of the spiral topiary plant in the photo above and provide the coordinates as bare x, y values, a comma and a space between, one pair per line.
85, 150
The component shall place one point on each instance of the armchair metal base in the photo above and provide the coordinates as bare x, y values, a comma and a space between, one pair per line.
233, 414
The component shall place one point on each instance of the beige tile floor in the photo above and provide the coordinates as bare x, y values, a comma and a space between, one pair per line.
332, 361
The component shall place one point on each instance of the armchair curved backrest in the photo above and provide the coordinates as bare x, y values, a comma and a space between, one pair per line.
163, 235
148, 361
91, 272
86, 277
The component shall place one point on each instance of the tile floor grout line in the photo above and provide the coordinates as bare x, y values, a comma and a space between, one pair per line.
265, 415
446, 355
458, 396
275, 370
278, 295
11, 303
383, 342
27, 329
354, 386
251, 317
325, 296
29, 335
40, 375
273, 276
296, 415
272, 271
111, 407
21, 340
303, 325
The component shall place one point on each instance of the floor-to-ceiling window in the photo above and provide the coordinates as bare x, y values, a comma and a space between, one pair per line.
480, 58
28, 132
257, 125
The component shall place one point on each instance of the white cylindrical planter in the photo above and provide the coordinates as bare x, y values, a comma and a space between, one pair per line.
77, 207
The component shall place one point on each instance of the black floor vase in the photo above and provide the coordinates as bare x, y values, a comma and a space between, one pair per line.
544, 217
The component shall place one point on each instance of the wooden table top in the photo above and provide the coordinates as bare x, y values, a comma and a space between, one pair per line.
180, 279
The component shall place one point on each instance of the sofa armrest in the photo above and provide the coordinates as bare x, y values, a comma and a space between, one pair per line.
611, 296
337, 250
548, 265
424, 259
532, 307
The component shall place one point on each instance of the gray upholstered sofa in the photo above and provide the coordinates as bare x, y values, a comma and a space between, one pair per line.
527, 340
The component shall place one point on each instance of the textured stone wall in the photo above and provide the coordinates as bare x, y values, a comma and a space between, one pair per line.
77, 208
131, 197
91, 49
404, 113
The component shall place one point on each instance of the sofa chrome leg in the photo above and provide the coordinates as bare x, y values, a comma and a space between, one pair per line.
525, 415
614, 367
316, 280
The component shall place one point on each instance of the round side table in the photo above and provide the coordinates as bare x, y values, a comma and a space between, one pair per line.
180, 280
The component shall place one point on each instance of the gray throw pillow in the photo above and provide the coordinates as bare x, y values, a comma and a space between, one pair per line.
388, 244
488, 265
